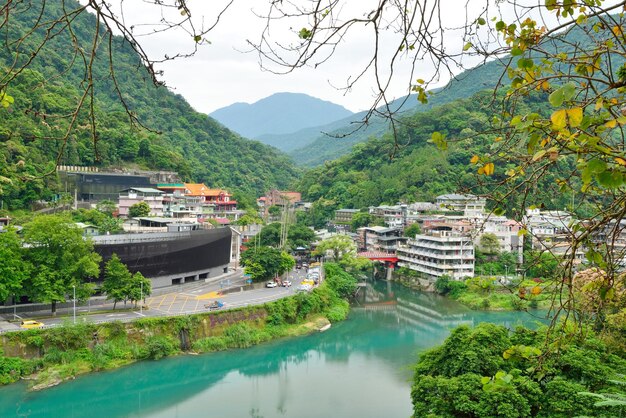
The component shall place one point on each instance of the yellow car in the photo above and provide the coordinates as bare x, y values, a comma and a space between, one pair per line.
31, 324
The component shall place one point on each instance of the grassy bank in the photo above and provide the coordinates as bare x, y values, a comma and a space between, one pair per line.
486, 293
49, 356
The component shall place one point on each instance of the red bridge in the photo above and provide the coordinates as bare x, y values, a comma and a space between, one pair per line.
387, 258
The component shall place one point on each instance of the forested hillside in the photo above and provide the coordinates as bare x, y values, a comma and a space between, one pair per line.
46, 94
409, 168
333, 142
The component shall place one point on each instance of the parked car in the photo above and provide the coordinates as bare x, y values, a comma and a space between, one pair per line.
216, 304
304, 288
287, 283
31, 324
271, 284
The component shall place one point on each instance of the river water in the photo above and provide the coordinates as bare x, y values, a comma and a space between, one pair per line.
359, 368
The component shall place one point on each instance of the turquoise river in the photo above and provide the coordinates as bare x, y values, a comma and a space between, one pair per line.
358, 368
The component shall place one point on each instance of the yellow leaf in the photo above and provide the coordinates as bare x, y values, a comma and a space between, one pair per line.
559, 119
611, 124
617, 31
498, 139
620, 161
474, 159
599, 104
488, 169
481, 170
545, 85
544, 141
575, 116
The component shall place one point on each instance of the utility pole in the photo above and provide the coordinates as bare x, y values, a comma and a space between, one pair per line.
74, 301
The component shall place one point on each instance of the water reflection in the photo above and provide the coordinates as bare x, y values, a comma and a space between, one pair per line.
358, 368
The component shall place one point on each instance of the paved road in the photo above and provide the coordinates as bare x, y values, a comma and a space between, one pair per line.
233, 291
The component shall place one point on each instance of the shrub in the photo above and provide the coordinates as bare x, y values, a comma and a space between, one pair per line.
241, 335
338, 312
210, 344
159, 346
12, 368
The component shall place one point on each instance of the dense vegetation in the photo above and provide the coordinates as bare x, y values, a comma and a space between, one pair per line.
46, 94
489, 371
60, 353
379, 172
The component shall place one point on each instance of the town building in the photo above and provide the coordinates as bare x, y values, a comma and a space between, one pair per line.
174, 257
440, 251
549, 230
89, 184
469, 205
134, 195
282, 199
379, 238
344, 216
217, 201
506, 230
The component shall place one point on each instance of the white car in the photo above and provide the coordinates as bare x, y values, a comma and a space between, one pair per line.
270, 284
304, 288
287, 283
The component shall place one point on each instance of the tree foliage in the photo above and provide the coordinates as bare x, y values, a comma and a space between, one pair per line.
95, 112
139, 209
338, 245
14, 269
488, 371
264, 263
412, 230
61, 257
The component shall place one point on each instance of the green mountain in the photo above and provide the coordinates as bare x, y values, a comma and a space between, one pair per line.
379, 171
47, 92
281, 113
335, 141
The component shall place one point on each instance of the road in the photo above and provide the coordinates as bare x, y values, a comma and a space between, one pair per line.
233, 292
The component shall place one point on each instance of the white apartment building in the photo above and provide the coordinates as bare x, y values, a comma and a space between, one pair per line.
440, 251
470, 205
133, 195
506, 230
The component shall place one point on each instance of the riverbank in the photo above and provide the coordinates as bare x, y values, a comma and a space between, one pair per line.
47, 357
486, 293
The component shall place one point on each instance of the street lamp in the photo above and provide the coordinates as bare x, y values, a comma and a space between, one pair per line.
141, 299
74, 301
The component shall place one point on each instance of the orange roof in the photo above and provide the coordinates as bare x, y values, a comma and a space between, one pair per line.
199, 189
196, 189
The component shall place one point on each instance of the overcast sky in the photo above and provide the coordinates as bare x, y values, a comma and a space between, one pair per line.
223, 73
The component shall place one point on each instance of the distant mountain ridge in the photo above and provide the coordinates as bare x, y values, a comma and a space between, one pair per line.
278, 114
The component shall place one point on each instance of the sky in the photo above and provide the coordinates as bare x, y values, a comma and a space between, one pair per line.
225, 72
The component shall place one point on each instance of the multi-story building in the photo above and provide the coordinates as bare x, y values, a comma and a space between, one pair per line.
506, 230
344, 216
440, 251
133, 195
549, 230
379, 238
282, 199
179, 206
219, 200
470, 205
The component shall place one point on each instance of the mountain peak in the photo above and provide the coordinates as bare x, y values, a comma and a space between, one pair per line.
280, 113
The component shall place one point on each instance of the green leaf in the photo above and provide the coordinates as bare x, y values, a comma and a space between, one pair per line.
481, 21
439, 140
467, 46
500, 25
562, 94
596, 166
